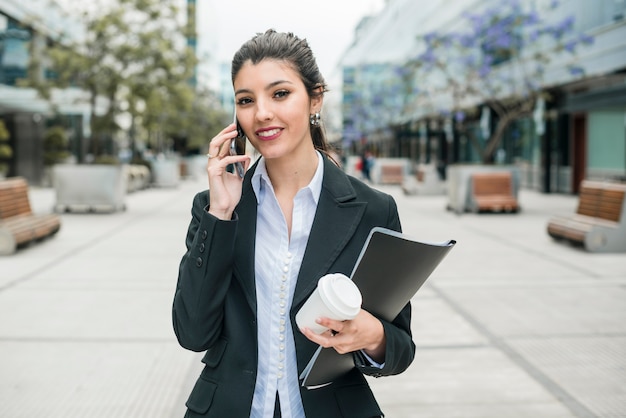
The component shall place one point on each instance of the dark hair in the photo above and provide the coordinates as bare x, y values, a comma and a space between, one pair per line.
286, 47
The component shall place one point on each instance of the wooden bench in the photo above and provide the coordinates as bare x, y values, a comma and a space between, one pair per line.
391, 174
493, 191
18, 224
599, 223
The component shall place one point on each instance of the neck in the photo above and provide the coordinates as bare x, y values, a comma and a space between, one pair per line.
292, 174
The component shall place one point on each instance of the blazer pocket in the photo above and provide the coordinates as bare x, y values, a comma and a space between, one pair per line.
357, 401
201, 396
213, 355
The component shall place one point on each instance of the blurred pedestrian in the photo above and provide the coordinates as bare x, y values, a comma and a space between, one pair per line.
367, 163
257, 246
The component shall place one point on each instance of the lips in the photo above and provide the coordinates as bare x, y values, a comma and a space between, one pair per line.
268, 134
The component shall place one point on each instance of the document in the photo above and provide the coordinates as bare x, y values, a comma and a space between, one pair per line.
389, 271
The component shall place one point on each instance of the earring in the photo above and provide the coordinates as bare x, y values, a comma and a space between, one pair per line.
315, 119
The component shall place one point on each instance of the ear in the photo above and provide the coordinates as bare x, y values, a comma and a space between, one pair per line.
317, 99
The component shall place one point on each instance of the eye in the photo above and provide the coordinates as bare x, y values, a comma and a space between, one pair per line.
281, 94
244, 101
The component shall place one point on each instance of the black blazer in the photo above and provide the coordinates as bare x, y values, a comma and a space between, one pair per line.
214, 305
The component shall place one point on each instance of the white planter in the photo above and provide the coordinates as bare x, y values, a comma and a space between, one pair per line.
196, 166
375, 170
429, 182
90, 187
459, 177
138, 177
165, 173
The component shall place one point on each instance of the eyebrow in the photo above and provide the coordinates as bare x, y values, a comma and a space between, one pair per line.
269, 86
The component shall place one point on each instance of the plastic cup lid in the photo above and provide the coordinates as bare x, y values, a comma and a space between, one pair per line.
340, 295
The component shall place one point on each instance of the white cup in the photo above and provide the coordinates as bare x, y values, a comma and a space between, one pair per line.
336, 297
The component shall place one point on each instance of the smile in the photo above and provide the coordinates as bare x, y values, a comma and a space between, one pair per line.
269, 134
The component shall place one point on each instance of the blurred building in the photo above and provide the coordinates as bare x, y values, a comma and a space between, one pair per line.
580, 133
26, 27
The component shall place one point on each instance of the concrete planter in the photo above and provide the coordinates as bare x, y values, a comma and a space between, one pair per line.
90, 187
425, 182
196, 166
459, 187
165, 173
138, 177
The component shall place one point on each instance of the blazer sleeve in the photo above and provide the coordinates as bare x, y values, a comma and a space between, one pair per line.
400, 348
204, 277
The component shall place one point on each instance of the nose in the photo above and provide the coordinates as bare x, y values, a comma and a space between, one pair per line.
264, 111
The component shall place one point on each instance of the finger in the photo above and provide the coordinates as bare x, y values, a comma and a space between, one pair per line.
332, 324
231, 159
327, 340
310, 335
313, 336
216, 148
247, 162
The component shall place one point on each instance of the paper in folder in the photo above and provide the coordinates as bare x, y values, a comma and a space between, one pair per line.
389, 271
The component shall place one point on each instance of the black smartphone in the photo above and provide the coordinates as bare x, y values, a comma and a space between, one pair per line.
238, 147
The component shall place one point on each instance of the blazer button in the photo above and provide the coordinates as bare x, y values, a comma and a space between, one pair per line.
204, 234
199, 261
201, 249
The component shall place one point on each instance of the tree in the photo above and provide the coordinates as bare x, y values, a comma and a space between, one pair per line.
374, 96
499, 59
55, 145
131, 52
6, 151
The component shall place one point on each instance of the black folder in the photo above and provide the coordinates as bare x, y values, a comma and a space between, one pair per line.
389, 271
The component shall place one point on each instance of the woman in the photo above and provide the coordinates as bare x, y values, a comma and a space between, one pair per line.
257, 246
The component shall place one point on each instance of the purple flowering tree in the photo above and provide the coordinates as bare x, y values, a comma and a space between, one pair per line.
374, 96
498, 59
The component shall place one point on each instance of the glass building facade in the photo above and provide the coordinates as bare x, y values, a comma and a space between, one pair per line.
578, 133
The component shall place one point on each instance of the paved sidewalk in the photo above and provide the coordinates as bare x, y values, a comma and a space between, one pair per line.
512, 324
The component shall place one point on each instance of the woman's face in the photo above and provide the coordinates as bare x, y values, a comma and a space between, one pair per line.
273, 109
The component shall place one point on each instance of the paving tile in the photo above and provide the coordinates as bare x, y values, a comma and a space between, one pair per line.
512, 324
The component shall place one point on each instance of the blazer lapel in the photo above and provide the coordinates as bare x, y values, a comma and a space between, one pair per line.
245, 242
336, 219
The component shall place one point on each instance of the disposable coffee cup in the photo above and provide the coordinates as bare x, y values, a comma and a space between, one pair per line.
336, 297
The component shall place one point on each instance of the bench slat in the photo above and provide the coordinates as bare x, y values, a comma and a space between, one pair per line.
14, 197
17, 218
494, 191
600, 205
391, 174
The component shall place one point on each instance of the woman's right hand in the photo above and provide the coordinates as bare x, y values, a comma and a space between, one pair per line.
225, 187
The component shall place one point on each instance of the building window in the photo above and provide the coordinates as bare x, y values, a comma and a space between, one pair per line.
14, 51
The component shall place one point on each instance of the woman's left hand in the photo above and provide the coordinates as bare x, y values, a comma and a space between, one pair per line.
365, 332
